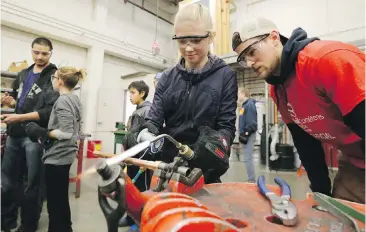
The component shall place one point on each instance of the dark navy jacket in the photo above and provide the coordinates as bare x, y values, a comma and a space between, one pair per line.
40, 98
248, 117
187, 99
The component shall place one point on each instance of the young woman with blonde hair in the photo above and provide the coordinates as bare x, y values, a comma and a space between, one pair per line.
60, 141
196, 98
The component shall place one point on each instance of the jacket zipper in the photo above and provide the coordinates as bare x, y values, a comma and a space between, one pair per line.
188, 92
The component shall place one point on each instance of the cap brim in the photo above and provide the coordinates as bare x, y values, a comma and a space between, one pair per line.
283, 39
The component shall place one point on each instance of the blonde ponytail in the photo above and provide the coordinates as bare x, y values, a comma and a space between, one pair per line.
71, 76
81, 73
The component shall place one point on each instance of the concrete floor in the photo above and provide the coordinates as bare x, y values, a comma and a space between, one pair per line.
87, 216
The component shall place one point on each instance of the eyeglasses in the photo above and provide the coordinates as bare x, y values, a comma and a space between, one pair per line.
250, 52
54, 77
191, 39
36, 53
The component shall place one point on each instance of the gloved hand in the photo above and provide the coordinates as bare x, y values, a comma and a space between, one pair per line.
212, 152
243, 138
150, 127
36, 133
138, 123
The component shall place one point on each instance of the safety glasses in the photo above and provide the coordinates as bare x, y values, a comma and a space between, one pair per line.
53, 77
36, 53
250, 52
191, 39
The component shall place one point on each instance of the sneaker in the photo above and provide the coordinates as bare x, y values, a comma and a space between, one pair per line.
9, 228
125, 222
22, 229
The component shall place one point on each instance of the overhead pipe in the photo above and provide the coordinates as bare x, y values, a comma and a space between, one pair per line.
148, 11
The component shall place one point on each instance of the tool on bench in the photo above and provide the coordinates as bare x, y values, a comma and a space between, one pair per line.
346, 214
282, 208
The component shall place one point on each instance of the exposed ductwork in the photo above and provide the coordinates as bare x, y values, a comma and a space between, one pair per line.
167, 8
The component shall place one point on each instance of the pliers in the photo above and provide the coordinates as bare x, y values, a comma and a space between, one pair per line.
282, 208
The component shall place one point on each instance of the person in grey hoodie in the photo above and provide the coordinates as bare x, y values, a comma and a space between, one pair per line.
247, 129
60, 143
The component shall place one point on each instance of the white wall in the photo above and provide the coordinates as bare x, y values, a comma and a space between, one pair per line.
330, 19
16, 47
135, 26
107, 37
112, 101
120, 28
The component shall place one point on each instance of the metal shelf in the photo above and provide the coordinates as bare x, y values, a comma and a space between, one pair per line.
7, 110
9, 74
9, 90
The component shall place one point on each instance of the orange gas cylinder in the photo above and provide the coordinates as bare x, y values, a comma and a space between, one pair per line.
179, 212
188, 219
165, 201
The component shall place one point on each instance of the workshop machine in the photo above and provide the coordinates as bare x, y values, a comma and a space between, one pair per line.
178, 200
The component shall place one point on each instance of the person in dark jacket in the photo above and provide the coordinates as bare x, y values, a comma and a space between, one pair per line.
319, 89
197, 98
139, 91
156, 79
247, 129
32, 98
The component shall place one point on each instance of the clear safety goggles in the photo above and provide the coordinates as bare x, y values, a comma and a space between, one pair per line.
250, 52
192, 40
37, 53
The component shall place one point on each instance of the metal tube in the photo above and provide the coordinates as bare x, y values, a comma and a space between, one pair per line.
150, 12
184, 171
9, 74
175, 142
267, 117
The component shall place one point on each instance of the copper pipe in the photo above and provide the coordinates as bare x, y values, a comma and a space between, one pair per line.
138, 162
152, 165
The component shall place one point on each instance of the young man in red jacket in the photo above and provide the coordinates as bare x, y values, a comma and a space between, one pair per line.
319, 89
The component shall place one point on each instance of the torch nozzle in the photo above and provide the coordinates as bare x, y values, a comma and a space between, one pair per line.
104, 170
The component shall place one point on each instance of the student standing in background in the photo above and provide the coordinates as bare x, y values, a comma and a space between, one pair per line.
60, 141
138, 94
33, 98
248, 129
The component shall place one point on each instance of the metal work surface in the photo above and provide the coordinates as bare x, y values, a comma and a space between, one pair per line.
244, 202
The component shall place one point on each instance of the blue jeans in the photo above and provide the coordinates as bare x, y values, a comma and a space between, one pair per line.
248, 150
22, 157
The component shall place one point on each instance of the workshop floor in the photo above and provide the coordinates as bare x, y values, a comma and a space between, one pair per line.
87, 216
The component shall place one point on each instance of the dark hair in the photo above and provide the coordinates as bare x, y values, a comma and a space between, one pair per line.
42, 41
140, 86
